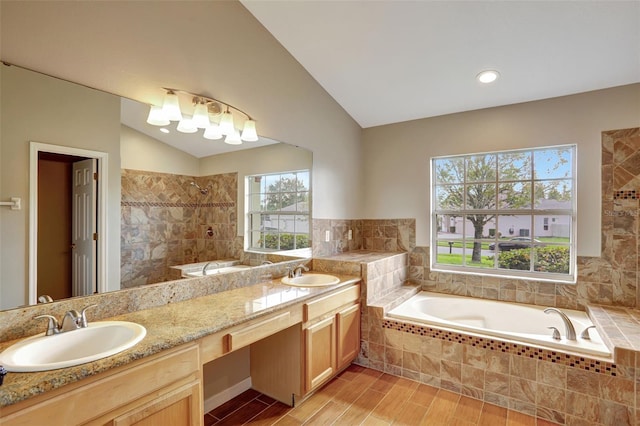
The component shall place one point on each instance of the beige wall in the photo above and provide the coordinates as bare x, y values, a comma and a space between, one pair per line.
141, 152
396, 157
131, 49
42, 109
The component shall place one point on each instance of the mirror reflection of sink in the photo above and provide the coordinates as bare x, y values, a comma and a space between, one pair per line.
311, 280
98, 340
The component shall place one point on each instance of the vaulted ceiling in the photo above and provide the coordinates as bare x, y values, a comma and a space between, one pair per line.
392, 61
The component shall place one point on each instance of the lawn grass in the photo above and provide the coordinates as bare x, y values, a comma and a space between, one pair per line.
456, 259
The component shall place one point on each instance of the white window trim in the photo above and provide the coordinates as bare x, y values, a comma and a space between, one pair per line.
248, 212
569, 278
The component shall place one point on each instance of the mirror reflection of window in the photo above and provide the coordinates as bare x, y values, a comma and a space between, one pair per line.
278, 211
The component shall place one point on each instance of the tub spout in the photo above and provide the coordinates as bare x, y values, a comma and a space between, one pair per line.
568, 325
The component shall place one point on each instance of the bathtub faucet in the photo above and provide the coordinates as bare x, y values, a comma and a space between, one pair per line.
568, 325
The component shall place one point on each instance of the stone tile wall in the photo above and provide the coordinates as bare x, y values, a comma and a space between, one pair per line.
167, 221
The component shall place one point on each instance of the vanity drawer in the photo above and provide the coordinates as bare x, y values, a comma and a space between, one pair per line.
257, 331
326, 304
97, 399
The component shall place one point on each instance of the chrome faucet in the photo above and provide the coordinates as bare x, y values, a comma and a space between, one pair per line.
585, 333
297, 271
568, 325
72, 320
45, 298
206, 265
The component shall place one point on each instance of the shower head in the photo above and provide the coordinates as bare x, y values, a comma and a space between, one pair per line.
203, 191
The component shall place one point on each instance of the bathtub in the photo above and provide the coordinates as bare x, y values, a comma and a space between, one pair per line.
513, 322
214, 271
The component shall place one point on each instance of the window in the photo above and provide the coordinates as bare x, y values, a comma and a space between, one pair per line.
490, 213
278, 208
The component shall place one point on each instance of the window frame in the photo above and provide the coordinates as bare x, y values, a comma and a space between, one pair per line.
532, 211
250, 214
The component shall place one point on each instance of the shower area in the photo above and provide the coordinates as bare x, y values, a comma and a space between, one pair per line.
169, 219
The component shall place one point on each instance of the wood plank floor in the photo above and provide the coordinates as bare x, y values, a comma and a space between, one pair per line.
361, 396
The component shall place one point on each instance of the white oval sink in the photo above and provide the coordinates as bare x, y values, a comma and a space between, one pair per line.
98, 340
311, 280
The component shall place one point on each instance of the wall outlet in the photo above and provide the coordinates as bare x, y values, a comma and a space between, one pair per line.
327, 236
350, 234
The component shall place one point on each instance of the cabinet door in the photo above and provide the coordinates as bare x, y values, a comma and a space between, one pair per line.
179, 407
348, 327
320, 352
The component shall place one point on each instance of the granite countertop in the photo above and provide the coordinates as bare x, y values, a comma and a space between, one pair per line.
169, 326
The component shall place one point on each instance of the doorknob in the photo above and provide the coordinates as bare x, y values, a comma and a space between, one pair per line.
73, 246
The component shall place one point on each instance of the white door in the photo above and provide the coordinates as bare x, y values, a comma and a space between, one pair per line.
84, 227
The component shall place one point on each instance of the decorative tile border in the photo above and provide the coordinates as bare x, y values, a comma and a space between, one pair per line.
159, 204
625, 195
582, 363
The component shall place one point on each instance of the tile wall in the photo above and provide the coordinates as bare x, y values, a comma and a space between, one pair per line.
167, 221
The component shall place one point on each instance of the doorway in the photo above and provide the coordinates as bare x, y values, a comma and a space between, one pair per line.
67, 215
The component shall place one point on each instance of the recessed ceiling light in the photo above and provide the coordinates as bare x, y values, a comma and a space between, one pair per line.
163, 130
488, 76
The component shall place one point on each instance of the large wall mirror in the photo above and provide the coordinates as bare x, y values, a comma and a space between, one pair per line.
162, 199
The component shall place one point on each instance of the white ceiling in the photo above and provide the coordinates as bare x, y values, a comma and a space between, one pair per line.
392, 61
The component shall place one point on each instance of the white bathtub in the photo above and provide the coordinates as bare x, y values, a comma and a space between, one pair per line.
214, 271
514, 322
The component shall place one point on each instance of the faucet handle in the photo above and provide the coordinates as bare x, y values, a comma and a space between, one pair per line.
556, 333
83, 315
52, 327
585, 333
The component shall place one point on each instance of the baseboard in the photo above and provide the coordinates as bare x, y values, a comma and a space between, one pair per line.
227, 394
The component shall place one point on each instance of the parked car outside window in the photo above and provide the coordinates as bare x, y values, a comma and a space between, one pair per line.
515, 244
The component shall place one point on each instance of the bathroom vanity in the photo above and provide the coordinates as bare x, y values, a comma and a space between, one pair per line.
298, 338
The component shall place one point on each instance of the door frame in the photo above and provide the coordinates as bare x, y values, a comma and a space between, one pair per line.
101, 224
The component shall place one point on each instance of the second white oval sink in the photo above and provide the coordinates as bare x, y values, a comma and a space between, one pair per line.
311, 280
98, 340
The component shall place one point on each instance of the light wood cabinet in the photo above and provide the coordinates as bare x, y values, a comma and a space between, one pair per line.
155, 391
348, 335
331, 335
320, 352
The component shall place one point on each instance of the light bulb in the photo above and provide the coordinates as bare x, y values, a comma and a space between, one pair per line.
157, 117
226, 123
212, 132
186, 125
201, 116
249, 133
488, 76
233, 138
171, 106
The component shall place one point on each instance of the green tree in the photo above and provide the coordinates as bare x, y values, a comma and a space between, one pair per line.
285, 192
482, 191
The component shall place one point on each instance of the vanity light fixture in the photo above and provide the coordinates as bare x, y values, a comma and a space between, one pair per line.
215, 117
488, 76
